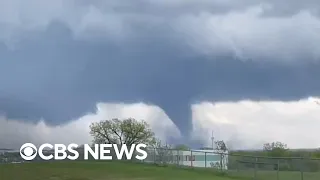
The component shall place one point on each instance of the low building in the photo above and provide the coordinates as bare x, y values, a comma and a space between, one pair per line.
203, 158
194, 158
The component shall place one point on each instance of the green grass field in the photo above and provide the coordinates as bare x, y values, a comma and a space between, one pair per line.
100, 171
85, 170
272, 175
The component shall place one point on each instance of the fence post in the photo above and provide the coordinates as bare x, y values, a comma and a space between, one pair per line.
237, 165
178, 157
255, 168
221, 162
301, 168
154, 155
205, 159
182, 158
172, 155
278, 169
191, 159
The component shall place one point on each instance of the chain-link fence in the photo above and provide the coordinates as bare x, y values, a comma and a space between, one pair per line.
251, 167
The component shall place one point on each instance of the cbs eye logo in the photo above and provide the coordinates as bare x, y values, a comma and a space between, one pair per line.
28, 151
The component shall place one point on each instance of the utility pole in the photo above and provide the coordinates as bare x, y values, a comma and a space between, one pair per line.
212, 140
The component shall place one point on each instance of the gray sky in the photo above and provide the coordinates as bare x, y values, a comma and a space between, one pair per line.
186, 66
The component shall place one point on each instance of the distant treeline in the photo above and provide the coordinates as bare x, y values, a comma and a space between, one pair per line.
281, 153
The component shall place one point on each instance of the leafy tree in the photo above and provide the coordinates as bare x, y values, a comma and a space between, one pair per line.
316, 154
182, 147
276, 149
127, 131
274, 145
221, 145
163, 153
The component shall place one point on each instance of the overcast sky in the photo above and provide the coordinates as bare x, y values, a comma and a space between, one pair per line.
247, 69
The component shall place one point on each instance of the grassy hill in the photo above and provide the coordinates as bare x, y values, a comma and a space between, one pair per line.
86, 170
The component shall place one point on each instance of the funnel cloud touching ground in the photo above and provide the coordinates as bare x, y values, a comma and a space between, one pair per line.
59, 59
243, 125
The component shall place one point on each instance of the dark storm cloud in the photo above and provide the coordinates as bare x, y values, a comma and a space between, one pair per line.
54, 77
134, 52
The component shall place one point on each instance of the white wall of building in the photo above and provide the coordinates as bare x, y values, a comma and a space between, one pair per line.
201, 158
